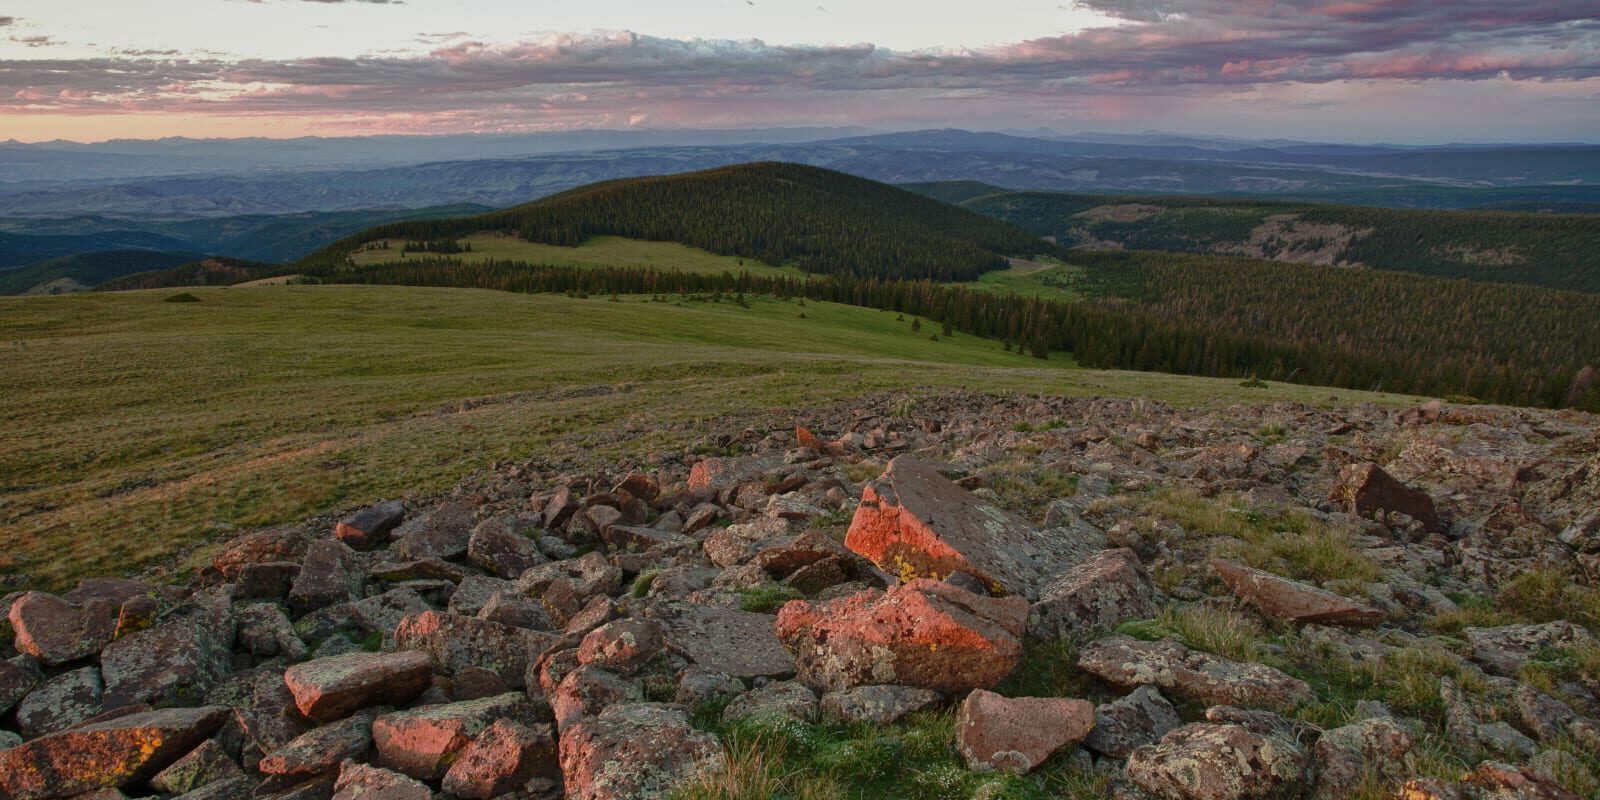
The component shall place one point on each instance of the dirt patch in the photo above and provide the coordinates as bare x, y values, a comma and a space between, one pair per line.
1122, 212
1284, 237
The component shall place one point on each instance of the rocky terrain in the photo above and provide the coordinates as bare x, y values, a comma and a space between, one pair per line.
1261, 601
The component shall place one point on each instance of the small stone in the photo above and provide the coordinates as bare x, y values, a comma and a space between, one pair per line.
441, 533
204, 765
367, 528
1292, 601
1018, 734
742, 644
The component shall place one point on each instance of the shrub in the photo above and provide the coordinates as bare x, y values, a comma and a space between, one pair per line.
184, 297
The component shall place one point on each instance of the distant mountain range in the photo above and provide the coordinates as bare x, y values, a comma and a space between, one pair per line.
52, 182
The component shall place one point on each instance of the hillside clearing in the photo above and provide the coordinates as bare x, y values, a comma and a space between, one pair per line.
597, 251
135, 429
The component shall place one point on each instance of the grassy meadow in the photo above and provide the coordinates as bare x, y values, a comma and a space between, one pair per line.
133, 429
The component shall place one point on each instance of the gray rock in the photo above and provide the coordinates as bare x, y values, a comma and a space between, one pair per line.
1099, 594
176, 662
742, 644
501, 552
782, 699
878, 705
1131, 722
1505, 649
61, 702
441, 533
1191, 674
330, 574
1207, 761
635, 752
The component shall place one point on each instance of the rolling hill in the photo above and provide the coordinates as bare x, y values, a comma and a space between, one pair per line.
76, 273
1559, 251
820, 221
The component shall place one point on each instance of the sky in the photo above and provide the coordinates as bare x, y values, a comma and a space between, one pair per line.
1411, 71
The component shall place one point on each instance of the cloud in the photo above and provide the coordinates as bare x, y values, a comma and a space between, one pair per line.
1157, 50
6, 22
37, 41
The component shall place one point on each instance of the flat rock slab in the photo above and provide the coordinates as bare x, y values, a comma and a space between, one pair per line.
502, 760
1293, 601
321, 750
915, 523
366, 528
422, 743
61, 702
174, 663
925, 633
742, 644
1191, 674
1018, 734
879, 705
361, 782
327, 689
117, 752
635, 751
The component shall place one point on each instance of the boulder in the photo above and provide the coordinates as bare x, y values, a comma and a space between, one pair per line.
925, 633
585, 577
361, 782
635, 751
264, 714
1191, 674
1503, 650
422, 743
622, 645
327, 689
1110, 588
175, 662
1343, 756
441, 533
116, 752
1018, 734
1129, 723
1293, 601
914, 523
587, 690
367, 528
1207, 761
454, 642
502, 760
877, 705
205, 765
330, 574
278, 545
502, 552
321, 750
55, 631
742, 644
1366, 490
16, 680
1492, 780
788, 699
61, 702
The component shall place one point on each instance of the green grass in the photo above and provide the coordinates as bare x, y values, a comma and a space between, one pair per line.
599, 251
134, 430
1046, 278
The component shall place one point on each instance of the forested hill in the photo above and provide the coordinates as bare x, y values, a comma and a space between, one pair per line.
1560, 251
821, 221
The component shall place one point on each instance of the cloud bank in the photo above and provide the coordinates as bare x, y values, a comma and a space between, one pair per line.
1258, 56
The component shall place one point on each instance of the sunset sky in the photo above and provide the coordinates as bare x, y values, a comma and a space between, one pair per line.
1351, 70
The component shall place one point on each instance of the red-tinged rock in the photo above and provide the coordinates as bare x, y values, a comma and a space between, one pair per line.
597, 612
924, 633
502, 760
126, 750
367, 528
714, 474
55, 631
361, 782
1099, 594
327, 689
1018, 734
560, 508
640, 485
321, 750
1492, 779
1293, 601
914, 523
261, 547
453, 642
622, 646
422, 743
587, 690
1191, 674
701, 518
1369, 491
636, 751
